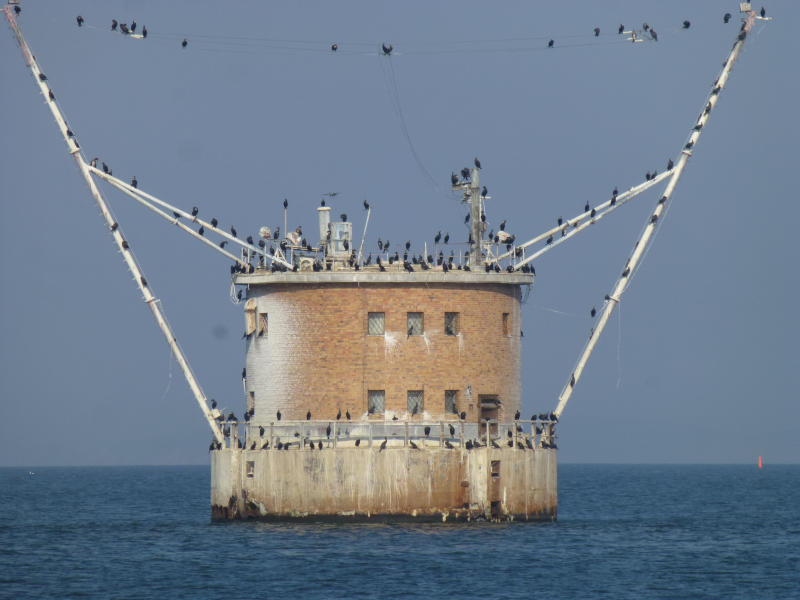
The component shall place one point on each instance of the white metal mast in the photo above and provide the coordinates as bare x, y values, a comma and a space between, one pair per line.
122, 244
641, 245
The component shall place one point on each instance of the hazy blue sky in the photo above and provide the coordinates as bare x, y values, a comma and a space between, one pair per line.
700, 364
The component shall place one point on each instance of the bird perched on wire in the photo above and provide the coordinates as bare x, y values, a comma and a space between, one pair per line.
184, 43
79, 19
387, 50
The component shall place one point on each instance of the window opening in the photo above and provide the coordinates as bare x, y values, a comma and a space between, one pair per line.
415, 323
376, 402
450, 401
416, 402
506, 324
376, 323
451, 325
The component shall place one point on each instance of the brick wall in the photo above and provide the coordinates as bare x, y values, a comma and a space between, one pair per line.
316, 354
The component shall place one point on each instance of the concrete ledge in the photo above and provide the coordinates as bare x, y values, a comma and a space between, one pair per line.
365, 277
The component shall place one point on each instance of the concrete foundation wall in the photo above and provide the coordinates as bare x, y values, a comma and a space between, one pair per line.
430, 483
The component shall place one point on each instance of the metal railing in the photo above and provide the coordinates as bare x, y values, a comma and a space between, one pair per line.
451, 434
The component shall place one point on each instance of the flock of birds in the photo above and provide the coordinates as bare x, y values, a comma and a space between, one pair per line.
540, 424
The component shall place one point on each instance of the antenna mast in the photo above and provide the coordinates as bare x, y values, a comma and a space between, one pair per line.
83, 167
641, 245
472, 196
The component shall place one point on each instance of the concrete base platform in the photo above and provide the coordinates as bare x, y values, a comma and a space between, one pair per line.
431, 484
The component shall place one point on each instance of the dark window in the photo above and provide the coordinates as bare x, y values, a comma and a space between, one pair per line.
450, 401
416, 403
451, 324
415, 323
376, 323
376, 402
506, 323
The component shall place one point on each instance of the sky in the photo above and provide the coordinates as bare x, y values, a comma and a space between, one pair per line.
699, 364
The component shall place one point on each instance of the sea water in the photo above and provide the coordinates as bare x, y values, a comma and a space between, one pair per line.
623, 531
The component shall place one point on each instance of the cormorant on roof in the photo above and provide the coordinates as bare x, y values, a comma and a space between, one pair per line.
446, 237
413, 445
195, 210
327, 431
466, 219
308, 416
484, 191
453, 178
79, 19
593, 312
463, 415
69, 133
285, 203
144, 32
133, 25
113, 24
465, 174
596, 31
550, 44
123, 27
334, 47
358, 442
214, 222
763, 12
726, 17
366, 204
347, 414
42, 77
686, 25
114, 226
249, 238
586, 207
387, 50
134, 183
452, 430
621, 28
477, 163
184, 43
278, 415
383, 444
653, 34
233, 231
51, 95
17, 9
670, 164
202, 230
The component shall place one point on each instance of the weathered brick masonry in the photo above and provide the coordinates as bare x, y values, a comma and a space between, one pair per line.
315, 353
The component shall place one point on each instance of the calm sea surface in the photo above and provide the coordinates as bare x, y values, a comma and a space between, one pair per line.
638, 531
